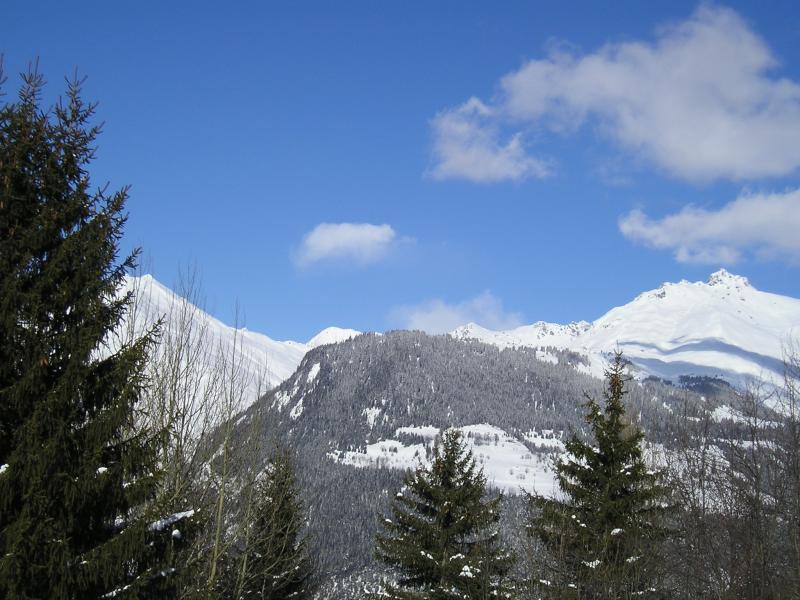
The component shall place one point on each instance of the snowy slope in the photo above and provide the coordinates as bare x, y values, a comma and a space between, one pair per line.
264, 362
508, 464
723, 327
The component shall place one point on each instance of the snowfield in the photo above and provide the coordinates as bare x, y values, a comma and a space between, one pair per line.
508, 463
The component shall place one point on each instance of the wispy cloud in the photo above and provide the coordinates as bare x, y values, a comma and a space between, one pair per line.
701, 101
467, 145
357, 243
437, 316
766, 225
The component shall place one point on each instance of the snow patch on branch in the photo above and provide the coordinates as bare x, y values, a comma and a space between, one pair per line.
162, 524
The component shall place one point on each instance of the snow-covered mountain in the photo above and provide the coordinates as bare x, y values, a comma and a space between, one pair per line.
723, 327
264, 362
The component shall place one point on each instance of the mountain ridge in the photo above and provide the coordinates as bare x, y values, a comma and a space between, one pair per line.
723, 327
265, 362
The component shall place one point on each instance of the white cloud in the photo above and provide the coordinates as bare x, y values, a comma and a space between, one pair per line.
702, 102
437, 316
765, 224
359, 243
467, 145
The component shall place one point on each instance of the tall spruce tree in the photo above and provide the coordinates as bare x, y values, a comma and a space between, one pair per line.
77, 474
602, 539
275, 563
442, 539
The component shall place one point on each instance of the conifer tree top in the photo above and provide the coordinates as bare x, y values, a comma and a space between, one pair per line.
604, 533
75, 495
442, 537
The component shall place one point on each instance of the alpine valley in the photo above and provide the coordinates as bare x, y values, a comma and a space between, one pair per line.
357, 410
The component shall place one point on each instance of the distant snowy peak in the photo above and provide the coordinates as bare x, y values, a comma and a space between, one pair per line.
264, 362
721, 284
539, 334
723, 327
724, 278
332, 335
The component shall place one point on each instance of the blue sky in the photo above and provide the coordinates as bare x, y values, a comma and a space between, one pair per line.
397, 164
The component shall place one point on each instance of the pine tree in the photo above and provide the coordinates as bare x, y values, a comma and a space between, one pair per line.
275, 563
77, 472
442, 539
603, 538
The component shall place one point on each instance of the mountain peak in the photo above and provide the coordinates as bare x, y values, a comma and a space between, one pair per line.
723, 277
332, 335
723, 328
471, 326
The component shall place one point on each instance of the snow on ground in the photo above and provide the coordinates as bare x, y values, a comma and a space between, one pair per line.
426, 431
295, 413
281, 400
546, 439
386, 453
726, 413
506, 461
312, 373
372, 415
545, 356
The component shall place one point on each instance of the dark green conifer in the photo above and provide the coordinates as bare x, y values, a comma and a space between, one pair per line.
442, 539
602, 539
275, 564
77, 472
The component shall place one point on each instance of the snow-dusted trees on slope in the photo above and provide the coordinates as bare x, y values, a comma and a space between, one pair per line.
737, 478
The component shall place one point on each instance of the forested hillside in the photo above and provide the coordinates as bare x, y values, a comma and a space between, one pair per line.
349, 396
